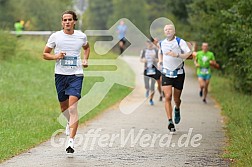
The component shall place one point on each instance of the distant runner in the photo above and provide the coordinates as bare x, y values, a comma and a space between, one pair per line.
203, 60
121, 30
149, 56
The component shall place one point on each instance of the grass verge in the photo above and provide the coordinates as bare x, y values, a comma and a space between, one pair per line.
237, 109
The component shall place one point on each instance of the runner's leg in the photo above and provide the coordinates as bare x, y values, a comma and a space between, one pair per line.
206, 89
146, 85
64, 108
73, 101
201, 84
152, 80
176, 97
168, 97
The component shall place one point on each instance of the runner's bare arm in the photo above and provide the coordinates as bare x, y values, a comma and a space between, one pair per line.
191, 48
160, 59
196, 62
183, 56
214, 64
188, 55
142, 58
86, 55
48, 56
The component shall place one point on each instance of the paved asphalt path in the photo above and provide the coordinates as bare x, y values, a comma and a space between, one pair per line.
140, 138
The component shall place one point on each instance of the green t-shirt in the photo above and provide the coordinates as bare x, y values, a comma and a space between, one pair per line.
203, 59
18, 27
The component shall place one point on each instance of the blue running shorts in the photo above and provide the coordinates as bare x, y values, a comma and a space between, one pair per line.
205, 77
68, 85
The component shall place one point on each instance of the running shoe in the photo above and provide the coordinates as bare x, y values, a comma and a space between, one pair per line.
67, 131
204, 101
160, 98
70, 148
171, 126
201, 93
151, 102
176, 115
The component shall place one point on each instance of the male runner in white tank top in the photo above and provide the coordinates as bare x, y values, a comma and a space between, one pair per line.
173, 51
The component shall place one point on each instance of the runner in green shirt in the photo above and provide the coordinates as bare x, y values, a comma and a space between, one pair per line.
203, 60
18, 28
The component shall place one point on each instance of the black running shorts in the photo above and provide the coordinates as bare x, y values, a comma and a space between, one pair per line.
177, 83
156, 76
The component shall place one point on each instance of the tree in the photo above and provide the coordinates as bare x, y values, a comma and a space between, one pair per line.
208, 25
43, 15
97, 14
135, 11
178, 9
156, 10
226, 25
5, 15
240, 28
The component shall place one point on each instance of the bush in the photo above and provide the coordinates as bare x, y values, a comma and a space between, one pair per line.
228, 30
8, 45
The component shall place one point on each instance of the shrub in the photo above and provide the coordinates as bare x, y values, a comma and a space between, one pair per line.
8, 44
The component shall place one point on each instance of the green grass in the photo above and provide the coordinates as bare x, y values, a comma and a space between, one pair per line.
236, 107
29, 106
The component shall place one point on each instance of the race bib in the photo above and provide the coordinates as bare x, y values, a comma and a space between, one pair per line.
69, 61
150, 71
170, 74
204, 70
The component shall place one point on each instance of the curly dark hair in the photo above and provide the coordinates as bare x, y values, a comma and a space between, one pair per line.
70, 12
